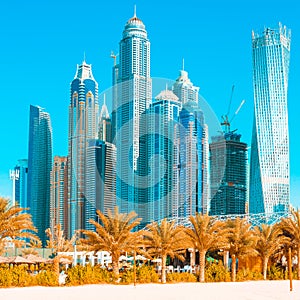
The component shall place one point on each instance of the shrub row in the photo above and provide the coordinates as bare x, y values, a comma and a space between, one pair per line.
20, 276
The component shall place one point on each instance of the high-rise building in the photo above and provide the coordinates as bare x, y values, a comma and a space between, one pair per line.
59, 193
228, 174
100, 179
134, 92
19, 177
105, 126
83, 126
184, 89
194, 185
269, 169
163, 151
39, 168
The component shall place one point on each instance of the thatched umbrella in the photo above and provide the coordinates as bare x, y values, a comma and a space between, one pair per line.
19, 260
4, 260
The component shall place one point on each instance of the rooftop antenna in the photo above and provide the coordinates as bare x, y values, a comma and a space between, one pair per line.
166, 86
183, 64
84, 61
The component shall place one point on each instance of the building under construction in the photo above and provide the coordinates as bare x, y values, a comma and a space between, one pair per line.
228, 174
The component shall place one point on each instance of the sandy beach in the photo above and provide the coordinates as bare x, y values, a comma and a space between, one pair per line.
256, 290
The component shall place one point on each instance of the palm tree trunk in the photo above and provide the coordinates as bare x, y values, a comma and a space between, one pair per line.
202, 254
265, 266
163, 268
298, 258
56, 267
233, 267
115, 265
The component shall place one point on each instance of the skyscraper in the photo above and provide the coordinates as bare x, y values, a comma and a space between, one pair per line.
19, 176
59, 193
194, 191
83, 126
39, 168
184, 89
269, 169
228, 174
134, 94
100, 179
105, 126
100, 171
163, 152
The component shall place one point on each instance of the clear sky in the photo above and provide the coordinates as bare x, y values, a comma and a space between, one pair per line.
43, 41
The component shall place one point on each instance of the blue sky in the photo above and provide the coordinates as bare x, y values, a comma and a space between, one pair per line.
42, 41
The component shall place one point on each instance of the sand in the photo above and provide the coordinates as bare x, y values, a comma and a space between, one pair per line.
255, 290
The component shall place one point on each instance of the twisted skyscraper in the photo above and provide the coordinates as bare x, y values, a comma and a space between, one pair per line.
269, 172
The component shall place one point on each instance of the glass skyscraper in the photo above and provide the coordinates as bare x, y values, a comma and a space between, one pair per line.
163, 152
20, 174
269, 169
39, 168
194, 192
59, 193
134, 92
83, 126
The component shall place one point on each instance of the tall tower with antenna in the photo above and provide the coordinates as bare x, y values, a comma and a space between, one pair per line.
134, 93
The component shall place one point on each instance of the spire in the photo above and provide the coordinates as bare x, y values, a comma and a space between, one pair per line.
182, 64
134, 11
84, 60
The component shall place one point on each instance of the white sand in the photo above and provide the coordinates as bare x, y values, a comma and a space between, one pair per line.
255, 290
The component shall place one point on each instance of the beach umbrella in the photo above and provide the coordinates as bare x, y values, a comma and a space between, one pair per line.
140, 257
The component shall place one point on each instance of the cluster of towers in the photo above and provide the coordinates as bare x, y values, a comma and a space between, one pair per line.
152, 155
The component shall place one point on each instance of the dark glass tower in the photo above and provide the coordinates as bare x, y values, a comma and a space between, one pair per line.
39, 168
228, 174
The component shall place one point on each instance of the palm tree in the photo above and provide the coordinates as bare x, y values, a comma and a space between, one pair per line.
58, 243
161, 240
15, 225
113, 235
270, 239
241, 241
291, 228
206, 234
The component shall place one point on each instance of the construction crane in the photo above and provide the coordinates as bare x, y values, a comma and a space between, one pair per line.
114, 56
225, 118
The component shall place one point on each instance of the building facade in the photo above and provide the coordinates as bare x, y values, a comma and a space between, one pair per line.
83, 126
184, 89
134, 92
39, 168
228, 174
59, 193
269, 169
163, 154
19, 176
100, 179
194, 185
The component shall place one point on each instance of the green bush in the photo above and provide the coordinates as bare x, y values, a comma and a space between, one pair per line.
88, 275
216, 272
15, 276
181, 277
144, 274
246, 274
46, 278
